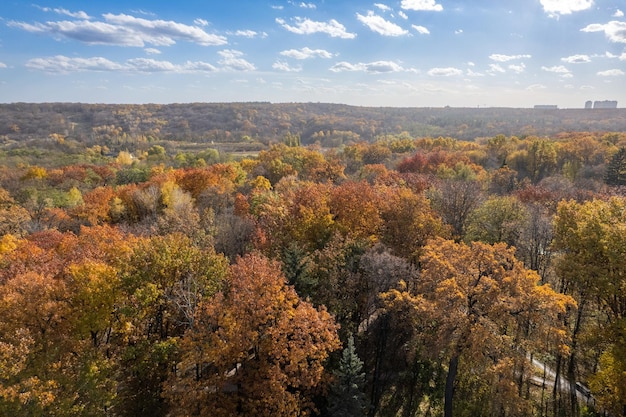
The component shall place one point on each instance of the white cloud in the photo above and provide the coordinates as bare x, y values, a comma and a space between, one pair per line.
64, 65
62, 11
307, 5
372, 67
277, 7
232, 60
506, 58
199, 66
615, 31
558, 69
306, 53
383, 66
559, 7
458, 31
166, 30
427, 5
535, 87
445, 72
471, 73
3, 65
611, 73
124, 30
518, 69
143, 12
380, 25
618, 13
152, 51
250, 34
494, 68
403, 15
283, 66
421, 30
622, 57
383, 7
152, 65
576, 59
346, 66
201, 22
307, 27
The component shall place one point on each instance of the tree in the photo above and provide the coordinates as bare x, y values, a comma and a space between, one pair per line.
356, 208
479, 304
346, 398
164, 283
591, 238
13, 218
409, 222
616, 169
60, 301
454, 200
33, 333
498, 219
255, 349
609, 383
295, 212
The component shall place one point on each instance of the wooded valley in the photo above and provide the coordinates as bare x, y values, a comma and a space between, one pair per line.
311, 259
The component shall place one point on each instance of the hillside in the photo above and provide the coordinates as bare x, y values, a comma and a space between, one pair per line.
329, 124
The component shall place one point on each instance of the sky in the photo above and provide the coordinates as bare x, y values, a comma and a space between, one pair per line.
404, 53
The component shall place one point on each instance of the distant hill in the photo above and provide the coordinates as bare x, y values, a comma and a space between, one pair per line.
267, 122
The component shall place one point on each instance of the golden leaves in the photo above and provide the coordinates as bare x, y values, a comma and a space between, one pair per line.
257, 348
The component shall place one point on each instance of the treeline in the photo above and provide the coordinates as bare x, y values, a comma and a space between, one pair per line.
328, 125
403, 277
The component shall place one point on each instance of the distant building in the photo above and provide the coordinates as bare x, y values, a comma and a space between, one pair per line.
546, 106
606, 104
588, 104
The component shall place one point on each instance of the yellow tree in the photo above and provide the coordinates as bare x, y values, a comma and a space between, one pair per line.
591, 239
479, 304
58, 300
256, 349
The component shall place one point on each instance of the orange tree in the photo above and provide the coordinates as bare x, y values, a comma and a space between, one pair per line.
255, 349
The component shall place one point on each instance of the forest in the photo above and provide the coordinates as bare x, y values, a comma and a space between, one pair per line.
248, 261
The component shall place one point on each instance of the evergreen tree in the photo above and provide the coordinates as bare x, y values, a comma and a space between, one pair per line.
616, 169
346, 398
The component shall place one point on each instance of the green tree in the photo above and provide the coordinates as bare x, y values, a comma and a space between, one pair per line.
347, 398
616, 169
498, 219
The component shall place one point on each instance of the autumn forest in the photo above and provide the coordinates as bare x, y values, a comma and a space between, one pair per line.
311, 260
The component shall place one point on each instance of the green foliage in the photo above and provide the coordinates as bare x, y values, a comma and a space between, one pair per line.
132, 175
498, 219
616, 169
346, 398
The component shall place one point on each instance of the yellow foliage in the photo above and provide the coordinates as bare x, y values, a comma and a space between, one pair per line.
8, 243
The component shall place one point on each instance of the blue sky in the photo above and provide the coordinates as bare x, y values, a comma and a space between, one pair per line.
405, 53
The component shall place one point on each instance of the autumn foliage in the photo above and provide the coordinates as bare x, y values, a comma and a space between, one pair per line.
394, 277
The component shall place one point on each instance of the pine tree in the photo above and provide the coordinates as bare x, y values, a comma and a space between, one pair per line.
347, 398
616, 169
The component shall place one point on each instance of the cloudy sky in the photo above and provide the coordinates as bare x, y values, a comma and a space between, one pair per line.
417, 53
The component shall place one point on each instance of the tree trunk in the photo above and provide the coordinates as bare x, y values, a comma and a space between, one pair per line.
449, 392
571, 368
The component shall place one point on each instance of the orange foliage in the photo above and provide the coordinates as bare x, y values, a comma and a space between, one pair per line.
257, 349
